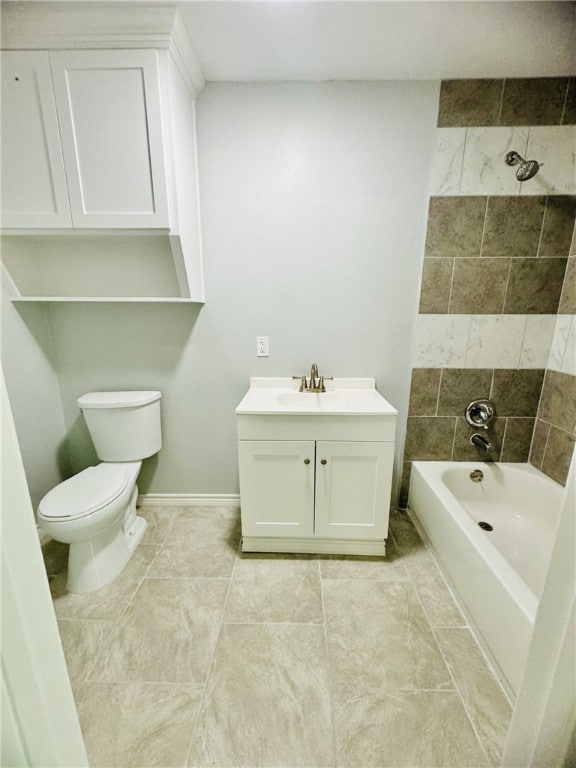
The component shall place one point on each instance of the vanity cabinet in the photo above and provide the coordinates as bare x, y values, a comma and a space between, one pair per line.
315, 489
315, 470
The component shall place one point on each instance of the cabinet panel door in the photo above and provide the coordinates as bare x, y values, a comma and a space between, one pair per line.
34, 193
277, 488
353, 484
109, 111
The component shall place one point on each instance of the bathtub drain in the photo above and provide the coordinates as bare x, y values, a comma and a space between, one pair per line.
485, 526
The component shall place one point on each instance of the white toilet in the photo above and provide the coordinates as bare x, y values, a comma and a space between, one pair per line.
95, 511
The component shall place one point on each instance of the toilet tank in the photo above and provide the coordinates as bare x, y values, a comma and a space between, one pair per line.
124, 426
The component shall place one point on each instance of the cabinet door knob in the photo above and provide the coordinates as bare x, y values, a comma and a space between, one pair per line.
306, 461
323, 461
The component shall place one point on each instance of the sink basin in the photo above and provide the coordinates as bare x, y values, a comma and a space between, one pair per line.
345, 397
312, 400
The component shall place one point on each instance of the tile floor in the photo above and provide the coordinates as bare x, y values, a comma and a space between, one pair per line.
199, 655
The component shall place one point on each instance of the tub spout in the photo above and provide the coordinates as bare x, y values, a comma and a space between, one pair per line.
480, 442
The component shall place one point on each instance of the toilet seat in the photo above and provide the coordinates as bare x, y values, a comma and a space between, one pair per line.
87, 492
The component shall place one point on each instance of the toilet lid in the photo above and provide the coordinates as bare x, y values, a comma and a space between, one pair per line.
85, 493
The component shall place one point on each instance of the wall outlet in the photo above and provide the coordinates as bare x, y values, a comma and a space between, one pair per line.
262, 346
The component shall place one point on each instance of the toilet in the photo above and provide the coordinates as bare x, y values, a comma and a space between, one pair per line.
95, 511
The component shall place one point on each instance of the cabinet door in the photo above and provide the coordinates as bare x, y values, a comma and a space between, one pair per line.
33, 185
108, 106
353, 483
277, 488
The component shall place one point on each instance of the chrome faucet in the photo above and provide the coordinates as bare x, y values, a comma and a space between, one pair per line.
480, 442
316, 382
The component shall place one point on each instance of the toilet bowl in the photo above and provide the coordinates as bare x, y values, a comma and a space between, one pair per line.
95, 510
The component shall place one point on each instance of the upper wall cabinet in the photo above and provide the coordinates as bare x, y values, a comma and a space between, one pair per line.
99, 139
34, 191
99, 112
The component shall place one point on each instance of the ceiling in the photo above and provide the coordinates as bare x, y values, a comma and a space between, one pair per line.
331, 40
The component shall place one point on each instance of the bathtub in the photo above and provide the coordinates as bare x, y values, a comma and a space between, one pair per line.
497, 575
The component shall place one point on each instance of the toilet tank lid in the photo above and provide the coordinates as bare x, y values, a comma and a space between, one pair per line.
123, 399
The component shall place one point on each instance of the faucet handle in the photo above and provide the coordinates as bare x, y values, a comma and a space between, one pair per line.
303, 385
321, 386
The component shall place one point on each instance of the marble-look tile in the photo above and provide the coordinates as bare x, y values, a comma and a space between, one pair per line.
446, 170
379, 640
160, 521
441, 341
533, 101
350, 568
168, 633
83, 641
513, 226
137, 724
479, 286
276, 589
484, 700
461, 385
267, 700
198, 547
400, 729
111, 601
484, 171
517, 439
424, 391
567, 304
436, 285
537, 341
516, 392
558, 226
555, 148
569, 359
495, 341
429, 438
559, 342
534, 286
470, 102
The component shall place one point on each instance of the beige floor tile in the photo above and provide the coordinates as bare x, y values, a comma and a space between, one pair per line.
267, 700
83, 641
379, 639
274, 589
55, 555
160, 521
211, 513
138, 725
484, 699
198, 547
422, 729
389, 568
111, 601
168, 634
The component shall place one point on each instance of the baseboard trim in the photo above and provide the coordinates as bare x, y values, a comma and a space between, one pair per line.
189, 500
314, 546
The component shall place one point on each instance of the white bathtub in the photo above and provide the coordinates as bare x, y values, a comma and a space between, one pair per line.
497, 575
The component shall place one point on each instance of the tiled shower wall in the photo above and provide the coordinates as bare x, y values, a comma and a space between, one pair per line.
497, 299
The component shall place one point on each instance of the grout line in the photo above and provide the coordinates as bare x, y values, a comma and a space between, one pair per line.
506, 295
542, 227
454, 438
501, 102
457, 688
439, 390
451, 285
335, 749
462, 162
484, 225
563, 115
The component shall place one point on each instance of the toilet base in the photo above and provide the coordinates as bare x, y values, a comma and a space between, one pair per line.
94, 564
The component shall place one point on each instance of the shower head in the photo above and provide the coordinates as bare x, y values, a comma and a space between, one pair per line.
527, 168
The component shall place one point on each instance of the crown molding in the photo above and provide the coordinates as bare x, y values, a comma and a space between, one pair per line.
71, 25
